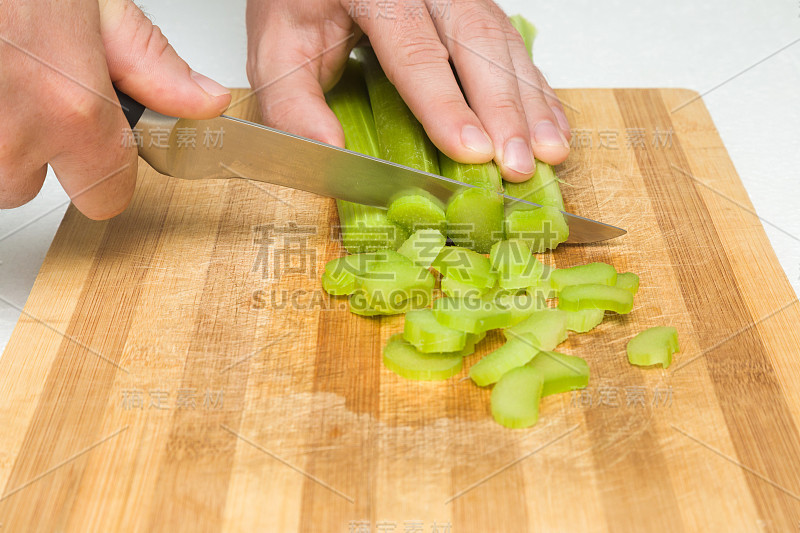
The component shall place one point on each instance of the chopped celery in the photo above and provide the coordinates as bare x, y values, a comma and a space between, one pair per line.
387, 284
340, 273
561, 372
543, 288
515, 398
521, 305
595, 296
363, 228
472, 341
465, 266
548, 328
542, 228
470, 315
514, 264
457, 289
337, 288
406, 361
362, 304
584, 320
423, 247
474, 216
653, 346
427, 335
628, 281
415, 212
541, 189
514, 353
599, 273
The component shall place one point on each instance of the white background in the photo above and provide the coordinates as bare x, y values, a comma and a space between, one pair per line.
581, 43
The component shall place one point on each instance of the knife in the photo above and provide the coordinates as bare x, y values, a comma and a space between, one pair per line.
235, 148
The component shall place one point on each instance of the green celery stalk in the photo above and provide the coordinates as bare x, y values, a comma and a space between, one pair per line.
402, 140
470, 314
474, 216
561, 372
427, 335
515, 398
406, 361
547, 327
601, 273
514, 353
364, 228
653, 346
595, 296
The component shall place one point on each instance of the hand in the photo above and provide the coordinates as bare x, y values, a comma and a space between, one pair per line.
59, 60
297, 50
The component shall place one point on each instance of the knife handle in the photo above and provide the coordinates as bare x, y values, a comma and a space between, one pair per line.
133, 110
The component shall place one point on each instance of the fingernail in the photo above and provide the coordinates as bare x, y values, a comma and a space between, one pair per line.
546, 133
562, 119
208, 85
517, 155
476, 140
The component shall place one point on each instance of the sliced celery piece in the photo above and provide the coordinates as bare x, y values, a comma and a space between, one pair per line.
427, 335
364, 228
541, 228
470, 315
457, 289
653, 346
361, 304
561, 372
335, 288
465, 266
406, 361
594, 296
521, 305
584, 320
415, 212
628, 281
599, 273
548, 328
514, 264
514, 353
389, 283
542, 288
515, 398
472, 342
423, 247
474, 216
541, 189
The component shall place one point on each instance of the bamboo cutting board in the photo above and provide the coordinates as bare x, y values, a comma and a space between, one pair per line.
178, 369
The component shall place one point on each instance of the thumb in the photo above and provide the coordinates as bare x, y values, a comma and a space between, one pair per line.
145, 66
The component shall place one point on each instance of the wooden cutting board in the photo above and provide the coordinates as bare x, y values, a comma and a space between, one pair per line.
178, 369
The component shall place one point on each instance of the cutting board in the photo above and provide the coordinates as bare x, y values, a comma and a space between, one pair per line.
177, 368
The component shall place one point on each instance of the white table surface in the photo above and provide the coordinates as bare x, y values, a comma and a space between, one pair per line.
581, 43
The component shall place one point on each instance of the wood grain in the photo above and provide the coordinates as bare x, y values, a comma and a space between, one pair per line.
178, 369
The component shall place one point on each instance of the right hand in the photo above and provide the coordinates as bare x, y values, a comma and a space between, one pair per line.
58, 102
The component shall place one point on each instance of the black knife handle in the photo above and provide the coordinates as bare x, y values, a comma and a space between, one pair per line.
133, 110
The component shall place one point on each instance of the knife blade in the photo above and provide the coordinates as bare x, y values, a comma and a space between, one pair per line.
242, 149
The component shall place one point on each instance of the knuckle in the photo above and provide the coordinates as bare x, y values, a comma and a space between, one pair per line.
474, 22
507, 104
81, 106
420, 53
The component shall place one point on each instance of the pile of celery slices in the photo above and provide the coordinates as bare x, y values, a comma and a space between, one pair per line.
395, 253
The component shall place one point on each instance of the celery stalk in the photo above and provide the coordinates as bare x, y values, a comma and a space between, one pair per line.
364, 228
402, 140
514, 353
601, 273
406, 361
595, 296
471, 315
561, 372
548, 328
515, 398
653, 346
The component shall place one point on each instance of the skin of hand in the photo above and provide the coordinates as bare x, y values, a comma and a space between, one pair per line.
297, 51
59, 105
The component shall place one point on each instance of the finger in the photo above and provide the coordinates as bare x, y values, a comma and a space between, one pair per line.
549, 143
287, 79
19, 184
416, 62
144, 65
555, 106
477, 43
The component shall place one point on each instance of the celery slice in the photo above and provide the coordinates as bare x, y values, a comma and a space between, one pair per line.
599, 273
515, 265
389, 283
521, 305
406, 361
541, 189
335, 288
427, 335
457, 289
542, 228
415, 212
361, 304
364, 228
653, 346
543, 288
470, 315
628, 281
474, 216
423, 247
561, 372
514, 353
584, 320
594, 296
515, 398
465, 266
340, 273
548, 328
